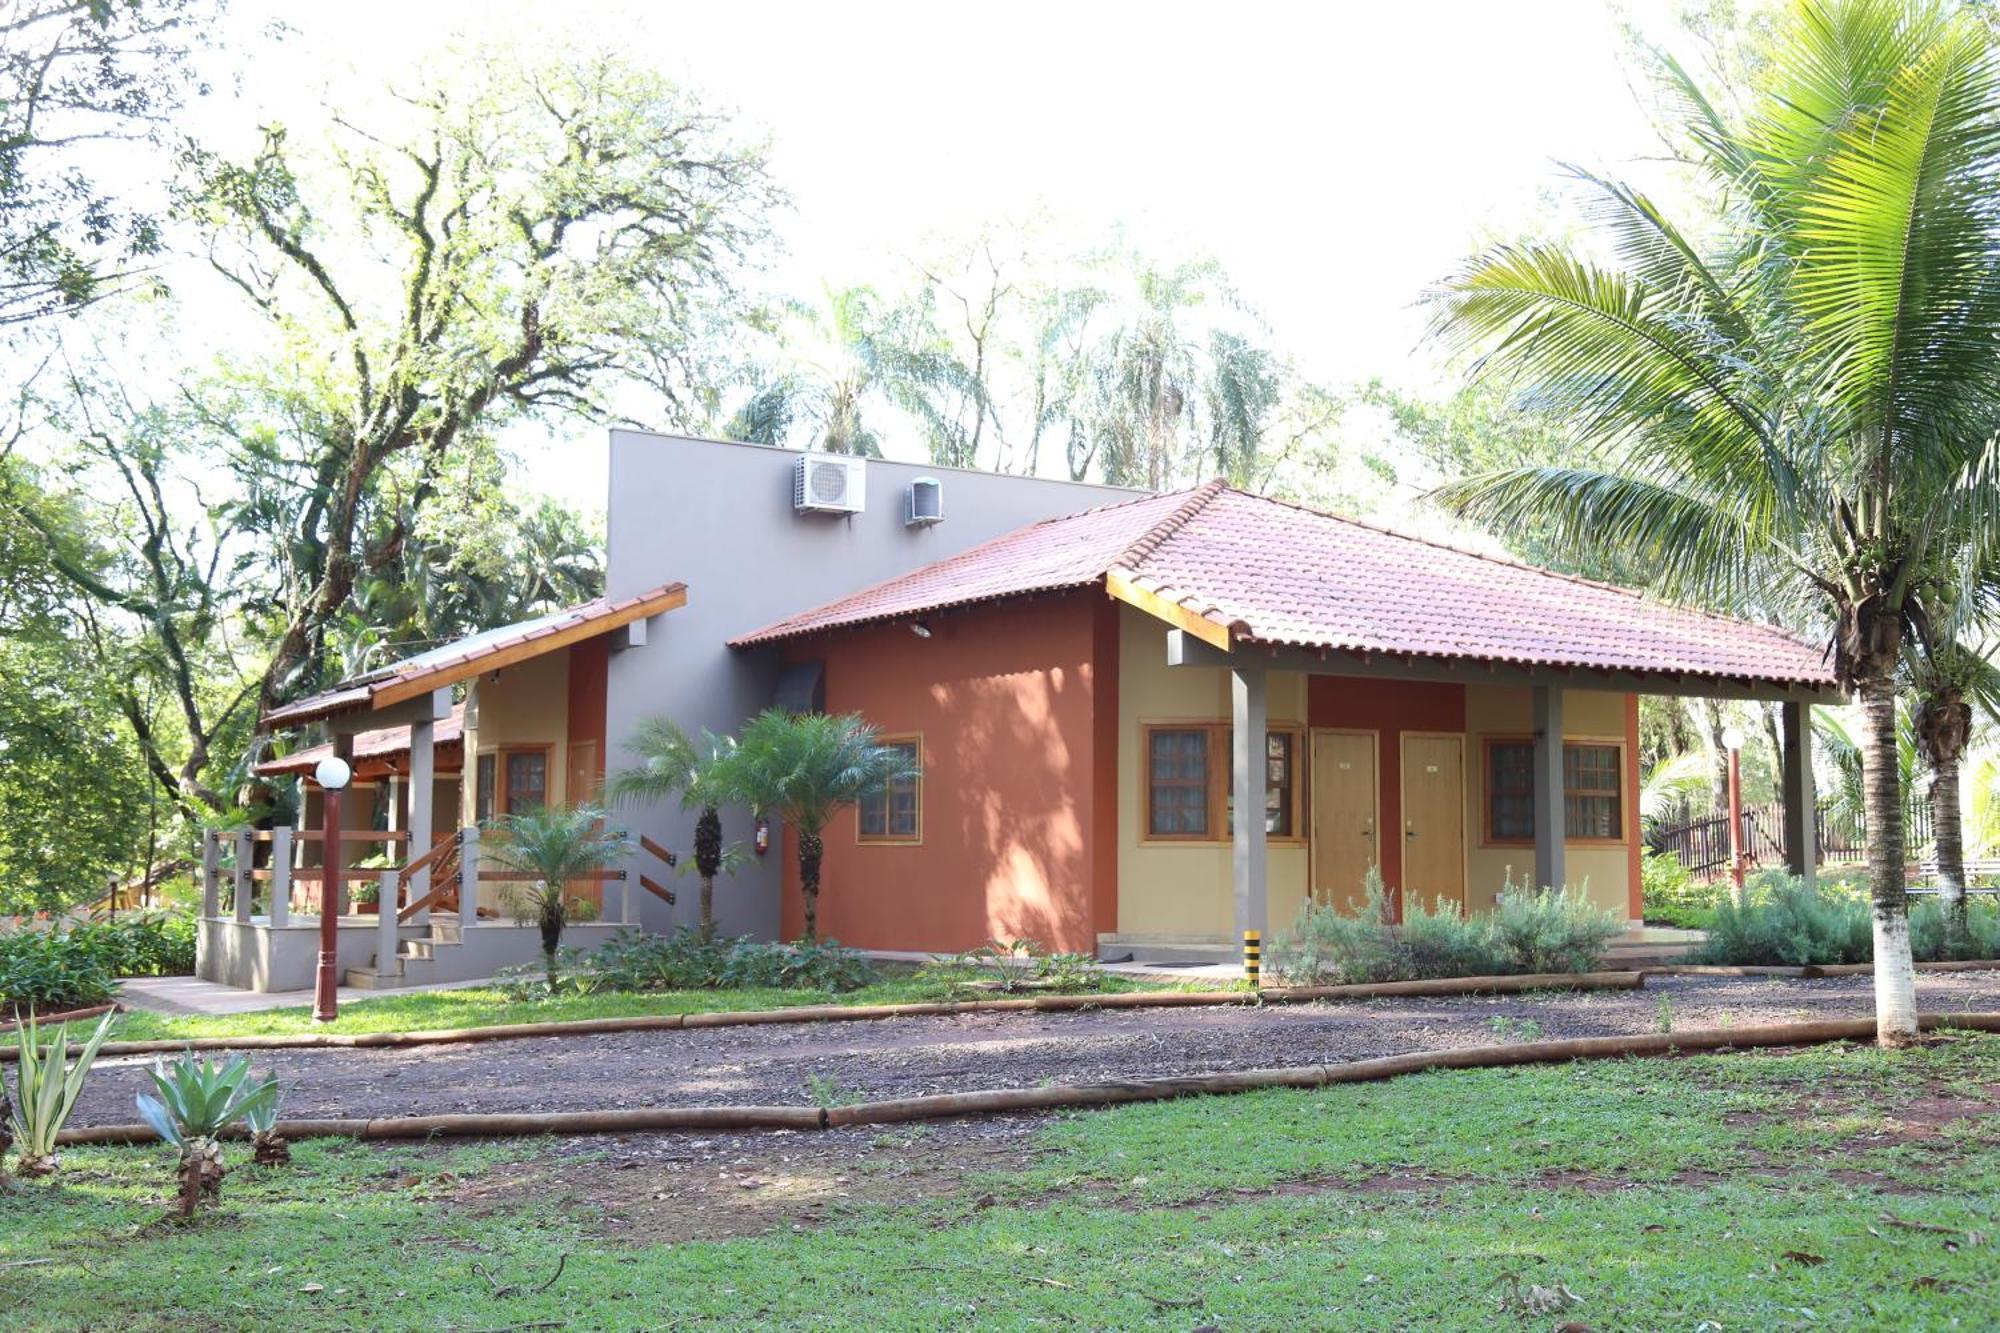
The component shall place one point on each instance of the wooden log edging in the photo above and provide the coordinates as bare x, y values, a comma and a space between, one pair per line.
1071, 1095
1809, 971
844, 1013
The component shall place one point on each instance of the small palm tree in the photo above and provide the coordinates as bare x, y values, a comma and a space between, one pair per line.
804, 768
554, 844
674, 763
1947, 678
197, 1101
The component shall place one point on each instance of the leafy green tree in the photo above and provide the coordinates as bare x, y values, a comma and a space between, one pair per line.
672, 763
555, 844
1798, 415
805, 768
75, 74
528, 235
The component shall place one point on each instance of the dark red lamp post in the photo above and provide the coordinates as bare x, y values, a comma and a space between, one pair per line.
332, 775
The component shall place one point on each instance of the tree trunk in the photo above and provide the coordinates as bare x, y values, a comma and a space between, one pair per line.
708, 863
1718, 758
1895, 973
810, 851
552, 929
1947, 832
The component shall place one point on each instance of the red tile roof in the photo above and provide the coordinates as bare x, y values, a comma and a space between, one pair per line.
475, 654
380, 747
1270, 572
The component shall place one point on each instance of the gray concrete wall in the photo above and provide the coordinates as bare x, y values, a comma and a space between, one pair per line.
718, 517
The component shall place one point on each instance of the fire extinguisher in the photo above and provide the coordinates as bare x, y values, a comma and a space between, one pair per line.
763, 837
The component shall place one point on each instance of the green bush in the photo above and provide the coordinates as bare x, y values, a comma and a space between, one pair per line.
1782, 922
41, 971
140, 944
1540, 930
1673, 896
632, 961
1008, 966
1928, 940
1529, 931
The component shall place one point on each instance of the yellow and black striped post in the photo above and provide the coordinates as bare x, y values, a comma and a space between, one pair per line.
1253, 956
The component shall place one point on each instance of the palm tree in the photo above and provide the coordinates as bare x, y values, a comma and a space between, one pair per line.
555, 844
674, 763
1797, 418
1947, 678
804, 768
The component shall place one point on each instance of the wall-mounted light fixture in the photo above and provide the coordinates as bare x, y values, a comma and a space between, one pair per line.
920, 629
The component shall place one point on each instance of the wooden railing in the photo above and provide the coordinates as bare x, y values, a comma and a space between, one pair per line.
442, 863
647, 882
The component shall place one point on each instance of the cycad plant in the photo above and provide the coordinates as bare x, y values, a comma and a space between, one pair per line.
197, 1101
672, 763
45, 1091
805, 768
1793, 413
555, 844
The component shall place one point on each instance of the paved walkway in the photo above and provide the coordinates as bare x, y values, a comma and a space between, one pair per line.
191, 995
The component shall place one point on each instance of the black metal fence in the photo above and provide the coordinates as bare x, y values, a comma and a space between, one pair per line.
1702, 843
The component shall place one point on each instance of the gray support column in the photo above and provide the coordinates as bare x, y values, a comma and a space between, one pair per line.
423, 774
1249, 720
211, 874
468, 877
385, 924
241, 879
1801, 800
281, 875
1549, 831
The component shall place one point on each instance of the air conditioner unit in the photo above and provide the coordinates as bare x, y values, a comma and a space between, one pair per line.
829, 484
923, 503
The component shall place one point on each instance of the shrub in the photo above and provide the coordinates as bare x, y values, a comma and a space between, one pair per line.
1673, 896
40, 970
1009, 966
1538, 931
197, 1100
1541, 930
633, 961
141, 944
1782, 922
1928, 937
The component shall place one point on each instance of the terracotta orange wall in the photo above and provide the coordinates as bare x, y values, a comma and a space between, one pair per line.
1012, 797
1390, 707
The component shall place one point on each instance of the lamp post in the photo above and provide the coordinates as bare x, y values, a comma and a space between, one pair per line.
332, 775
1732, 740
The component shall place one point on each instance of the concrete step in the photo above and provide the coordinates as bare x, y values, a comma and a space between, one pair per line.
367, 978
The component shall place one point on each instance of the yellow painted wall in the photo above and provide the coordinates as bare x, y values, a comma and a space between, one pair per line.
1500, 710
524, 704
1185, 888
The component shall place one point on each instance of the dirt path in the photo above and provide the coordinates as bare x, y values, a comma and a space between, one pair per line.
799, 1065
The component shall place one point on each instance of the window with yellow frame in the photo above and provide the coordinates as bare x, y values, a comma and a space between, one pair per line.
896, 813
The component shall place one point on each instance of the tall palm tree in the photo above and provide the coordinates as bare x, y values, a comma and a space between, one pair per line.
1797, 418
805, 768
672, 763
555, 844
1947, 679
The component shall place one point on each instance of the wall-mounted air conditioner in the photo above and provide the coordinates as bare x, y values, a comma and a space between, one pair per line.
829, 484
923, 503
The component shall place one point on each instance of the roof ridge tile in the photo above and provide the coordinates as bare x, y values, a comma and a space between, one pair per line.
1160, 533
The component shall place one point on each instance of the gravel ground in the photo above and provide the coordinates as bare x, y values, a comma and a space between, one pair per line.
907, 1057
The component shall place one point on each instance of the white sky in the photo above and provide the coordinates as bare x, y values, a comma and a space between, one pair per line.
1334, 157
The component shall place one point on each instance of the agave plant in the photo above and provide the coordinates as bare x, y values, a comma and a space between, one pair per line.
198, 1100
267, 1146
46, 1090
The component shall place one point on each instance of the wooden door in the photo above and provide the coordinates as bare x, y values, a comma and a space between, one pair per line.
1434, 819
1344, 836
583, 782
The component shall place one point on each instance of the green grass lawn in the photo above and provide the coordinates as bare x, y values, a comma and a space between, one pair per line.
487, 1006
1836, 1188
